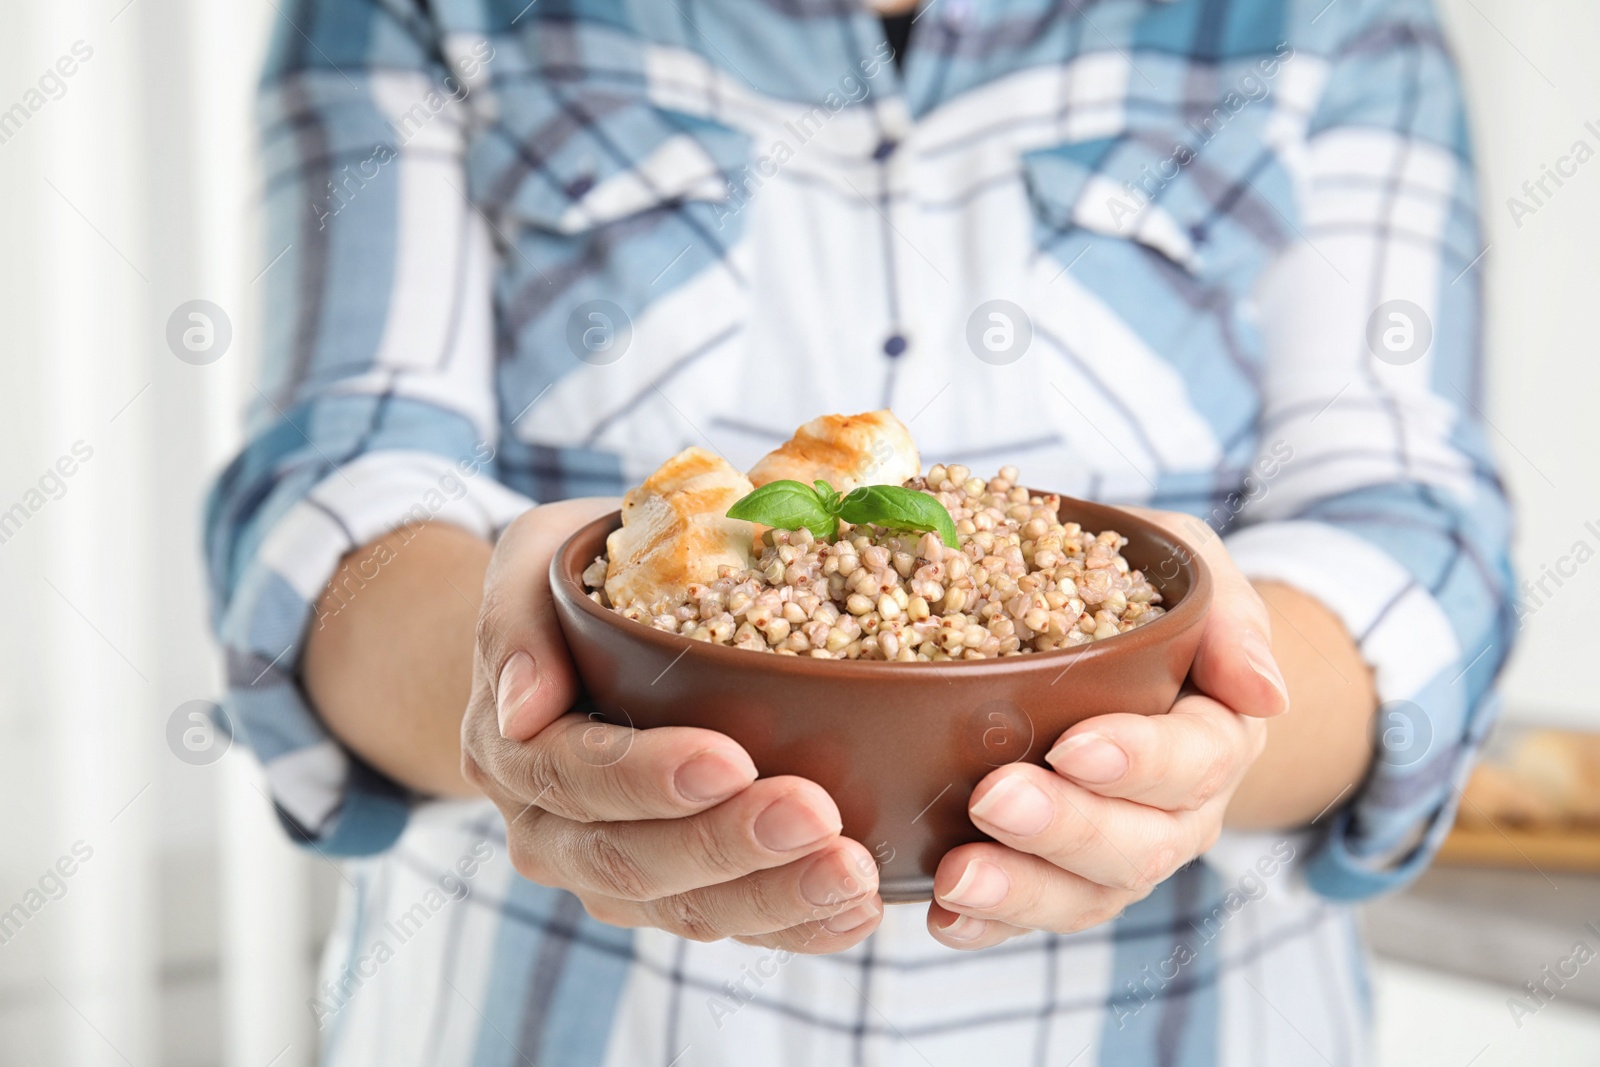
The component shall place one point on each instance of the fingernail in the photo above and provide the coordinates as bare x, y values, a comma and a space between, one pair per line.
1016, 807
519, 680
1089, 758
712, 776
1259, 655
790, 823
965, 928
982, 885
856, 917
829, 882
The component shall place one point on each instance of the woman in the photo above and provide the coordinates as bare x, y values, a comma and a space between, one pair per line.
1211, 257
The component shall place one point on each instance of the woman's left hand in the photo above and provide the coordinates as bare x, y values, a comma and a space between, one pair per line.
1127, 799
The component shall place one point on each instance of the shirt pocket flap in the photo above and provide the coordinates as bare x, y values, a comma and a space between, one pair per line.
1095, 185
1213, 201
597, 160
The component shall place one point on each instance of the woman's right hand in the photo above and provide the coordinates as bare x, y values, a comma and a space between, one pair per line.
668, 827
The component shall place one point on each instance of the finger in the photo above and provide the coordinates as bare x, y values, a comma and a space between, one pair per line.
850, 927
590, 771
992, 884
1179, 761
522, 662
967, 932
812, 891
1234, 662
1113, 842
774, 821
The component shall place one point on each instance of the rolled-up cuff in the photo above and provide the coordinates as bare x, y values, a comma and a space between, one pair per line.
323, 793
1385, 830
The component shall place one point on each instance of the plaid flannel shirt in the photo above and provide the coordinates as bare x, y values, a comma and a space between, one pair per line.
521, 252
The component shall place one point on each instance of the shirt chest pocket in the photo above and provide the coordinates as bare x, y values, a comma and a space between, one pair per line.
620, 308
1212, 199
572, 162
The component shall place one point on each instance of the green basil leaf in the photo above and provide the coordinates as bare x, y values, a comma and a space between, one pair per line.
787, 505
830, 496
896, 508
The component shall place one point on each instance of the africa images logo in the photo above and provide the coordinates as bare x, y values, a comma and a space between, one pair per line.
1399, 332
199, 332
999, 332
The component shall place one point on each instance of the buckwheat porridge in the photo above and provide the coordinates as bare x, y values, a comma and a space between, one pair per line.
1018, 580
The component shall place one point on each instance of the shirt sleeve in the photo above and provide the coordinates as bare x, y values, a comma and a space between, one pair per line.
1375, 491
374, 407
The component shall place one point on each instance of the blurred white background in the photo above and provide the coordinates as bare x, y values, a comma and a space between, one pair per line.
189, 934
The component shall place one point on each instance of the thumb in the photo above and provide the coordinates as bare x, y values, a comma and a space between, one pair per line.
1234, 664
522, 662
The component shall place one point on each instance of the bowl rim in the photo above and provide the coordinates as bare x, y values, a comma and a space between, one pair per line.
1188, 612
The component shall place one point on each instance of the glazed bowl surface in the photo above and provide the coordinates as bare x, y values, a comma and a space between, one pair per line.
899, 746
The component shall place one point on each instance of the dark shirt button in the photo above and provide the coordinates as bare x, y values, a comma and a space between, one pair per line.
884, 150
894, 345
579, 186
1197, 233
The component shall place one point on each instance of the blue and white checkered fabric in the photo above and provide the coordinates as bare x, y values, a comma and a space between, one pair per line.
1205, 209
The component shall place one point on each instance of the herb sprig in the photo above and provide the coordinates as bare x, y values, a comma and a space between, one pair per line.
790, 505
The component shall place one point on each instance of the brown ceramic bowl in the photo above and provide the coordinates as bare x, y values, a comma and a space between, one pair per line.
899, 746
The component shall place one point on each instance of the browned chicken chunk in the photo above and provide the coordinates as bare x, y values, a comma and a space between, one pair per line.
846, 451
675, 530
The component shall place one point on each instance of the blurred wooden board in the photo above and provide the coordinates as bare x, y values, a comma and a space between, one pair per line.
1562, 850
